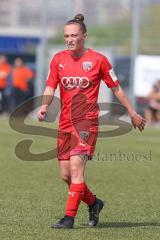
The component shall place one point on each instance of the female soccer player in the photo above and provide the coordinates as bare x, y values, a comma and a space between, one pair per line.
78, 72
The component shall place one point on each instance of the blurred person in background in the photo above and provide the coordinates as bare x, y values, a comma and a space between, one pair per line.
5, 70
21, 75
78, 71
152, 113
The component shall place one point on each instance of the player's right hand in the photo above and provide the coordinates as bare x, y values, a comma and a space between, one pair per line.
42, 114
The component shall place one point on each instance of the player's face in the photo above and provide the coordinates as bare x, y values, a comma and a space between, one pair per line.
74, 37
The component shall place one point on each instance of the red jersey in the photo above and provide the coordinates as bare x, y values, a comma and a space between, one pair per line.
79, 81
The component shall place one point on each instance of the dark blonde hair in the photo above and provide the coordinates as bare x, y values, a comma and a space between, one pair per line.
78, 19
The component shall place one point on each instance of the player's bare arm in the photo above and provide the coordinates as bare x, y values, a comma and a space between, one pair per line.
136, 119
46, 101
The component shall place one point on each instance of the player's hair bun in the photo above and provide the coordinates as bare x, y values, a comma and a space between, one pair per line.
79, 17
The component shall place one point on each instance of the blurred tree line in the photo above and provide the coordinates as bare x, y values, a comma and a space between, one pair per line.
118, 34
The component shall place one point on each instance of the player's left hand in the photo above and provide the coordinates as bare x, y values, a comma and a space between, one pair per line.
138, 121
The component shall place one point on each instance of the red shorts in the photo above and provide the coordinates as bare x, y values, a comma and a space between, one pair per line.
74, 143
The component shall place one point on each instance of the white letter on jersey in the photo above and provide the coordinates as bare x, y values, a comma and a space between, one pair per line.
112, 75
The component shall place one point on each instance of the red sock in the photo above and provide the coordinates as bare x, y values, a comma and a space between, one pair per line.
88, 197
75, 195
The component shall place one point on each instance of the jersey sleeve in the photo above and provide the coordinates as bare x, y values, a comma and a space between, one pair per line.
53, 76
107, 74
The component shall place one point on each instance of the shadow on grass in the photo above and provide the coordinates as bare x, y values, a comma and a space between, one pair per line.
126, 224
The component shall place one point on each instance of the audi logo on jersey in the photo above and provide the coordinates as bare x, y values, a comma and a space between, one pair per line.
75, 82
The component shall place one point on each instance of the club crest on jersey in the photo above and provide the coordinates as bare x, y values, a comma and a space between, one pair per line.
87, 66
84, 135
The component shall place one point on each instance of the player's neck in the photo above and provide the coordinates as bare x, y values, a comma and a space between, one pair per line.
78, 53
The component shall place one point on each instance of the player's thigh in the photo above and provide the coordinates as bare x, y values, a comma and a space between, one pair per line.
77, 165
64, 166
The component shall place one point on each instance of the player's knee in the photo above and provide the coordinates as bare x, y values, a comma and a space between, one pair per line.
66, 178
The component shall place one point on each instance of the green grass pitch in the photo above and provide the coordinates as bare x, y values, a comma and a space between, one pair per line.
32, 196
